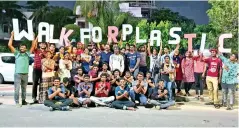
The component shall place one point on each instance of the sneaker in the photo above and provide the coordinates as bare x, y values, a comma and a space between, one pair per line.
217, 106
0, 103
67, 108
209, 103
136, 102
149, 106
51, 109
156, 107
18, 105
85, 106
24, 102
229, 107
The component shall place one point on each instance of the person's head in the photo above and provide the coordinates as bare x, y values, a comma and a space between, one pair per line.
176, 53
116, 72
122, 82
95, 67
166, 50
127, 47
148, 75
66, 81
155, 52
167, 59
56, 81
23, 48
42, 45
128, 74
105, 66
103, 77
161, 83
86, 78
74, 50
79, 45
142, 49
131, 47
213, 52
78, 57
80, 71
140, 76
116, 50
97, 57
48, 54
62, 50
94, 51
66, 55
122, 51
234, 57
86, 51
52, 47
188, 54
107, 47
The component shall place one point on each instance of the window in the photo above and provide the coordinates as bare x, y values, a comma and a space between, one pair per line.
8, 59
5, 28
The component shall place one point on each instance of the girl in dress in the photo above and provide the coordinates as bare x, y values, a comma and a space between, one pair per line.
65, 65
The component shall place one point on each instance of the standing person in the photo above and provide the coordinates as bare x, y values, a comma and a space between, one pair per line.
65, 65
179, 75
167, 71
85, 61
102, 89
106, 71
122, 97
155, 64
140, 87
133, 60
52, 49
39, 54
22, 58
75, 66
142, 62
105, 55
78, 77
213, 77
56, 94
166, 53
57, 57
47, 76
199, 66
116, 61
80, 48
229, 80
188, 72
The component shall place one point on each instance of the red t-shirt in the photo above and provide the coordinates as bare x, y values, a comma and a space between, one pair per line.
214, 66
79, 52
98, 85
39, 54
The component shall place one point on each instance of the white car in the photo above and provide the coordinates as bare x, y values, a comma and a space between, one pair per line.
7, 67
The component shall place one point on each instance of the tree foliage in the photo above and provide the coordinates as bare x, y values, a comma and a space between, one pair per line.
223, 18
76, 34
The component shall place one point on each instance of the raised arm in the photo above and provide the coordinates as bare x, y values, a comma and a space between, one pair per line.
34, 44
161, 47
10, 43
149, 52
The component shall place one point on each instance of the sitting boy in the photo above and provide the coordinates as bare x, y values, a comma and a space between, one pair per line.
56, 97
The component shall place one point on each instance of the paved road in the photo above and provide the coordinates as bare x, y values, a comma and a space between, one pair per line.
188, 116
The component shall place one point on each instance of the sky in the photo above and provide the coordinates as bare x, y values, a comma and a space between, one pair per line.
195, 10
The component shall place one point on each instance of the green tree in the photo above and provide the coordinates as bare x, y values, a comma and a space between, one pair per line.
223, 17
76, 34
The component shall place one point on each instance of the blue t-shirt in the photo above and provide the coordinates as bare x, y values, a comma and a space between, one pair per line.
50, 91
86, 86
119, 91
105, 57
132, 59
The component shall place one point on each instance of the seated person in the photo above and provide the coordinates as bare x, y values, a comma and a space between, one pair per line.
122, 97
114, 81
102, 89
150, 82
84, 90
139, 89
56, 97
70, 91
129, 79
159, 97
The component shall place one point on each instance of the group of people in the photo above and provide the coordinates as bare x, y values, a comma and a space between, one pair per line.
80, 75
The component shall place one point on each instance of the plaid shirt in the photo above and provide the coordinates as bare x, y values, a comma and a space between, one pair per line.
37, 59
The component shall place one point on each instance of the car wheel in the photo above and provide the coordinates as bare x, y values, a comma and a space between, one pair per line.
1, 79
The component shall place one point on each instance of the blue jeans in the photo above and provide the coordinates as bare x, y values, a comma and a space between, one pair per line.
141, 97
162, 104
118, 104
168, 86
228, 89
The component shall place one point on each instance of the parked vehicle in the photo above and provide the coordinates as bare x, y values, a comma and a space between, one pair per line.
7, 67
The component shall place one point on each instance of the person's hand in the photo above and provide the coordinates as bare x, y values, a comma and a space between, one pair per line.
149, 81
58, 90
125, 77
203, 75
131, 70
119, 93
226, 67
53, 89
12, 34
125, 94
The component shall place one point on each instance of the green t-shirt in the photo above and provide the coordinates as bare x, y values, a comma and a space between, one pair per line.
21, 62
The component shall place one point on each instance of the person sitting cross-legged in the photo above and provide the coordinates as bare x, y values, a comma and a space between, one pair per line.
101, 92
159, 97
56, 97
122, 97
139, 89
84, 90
